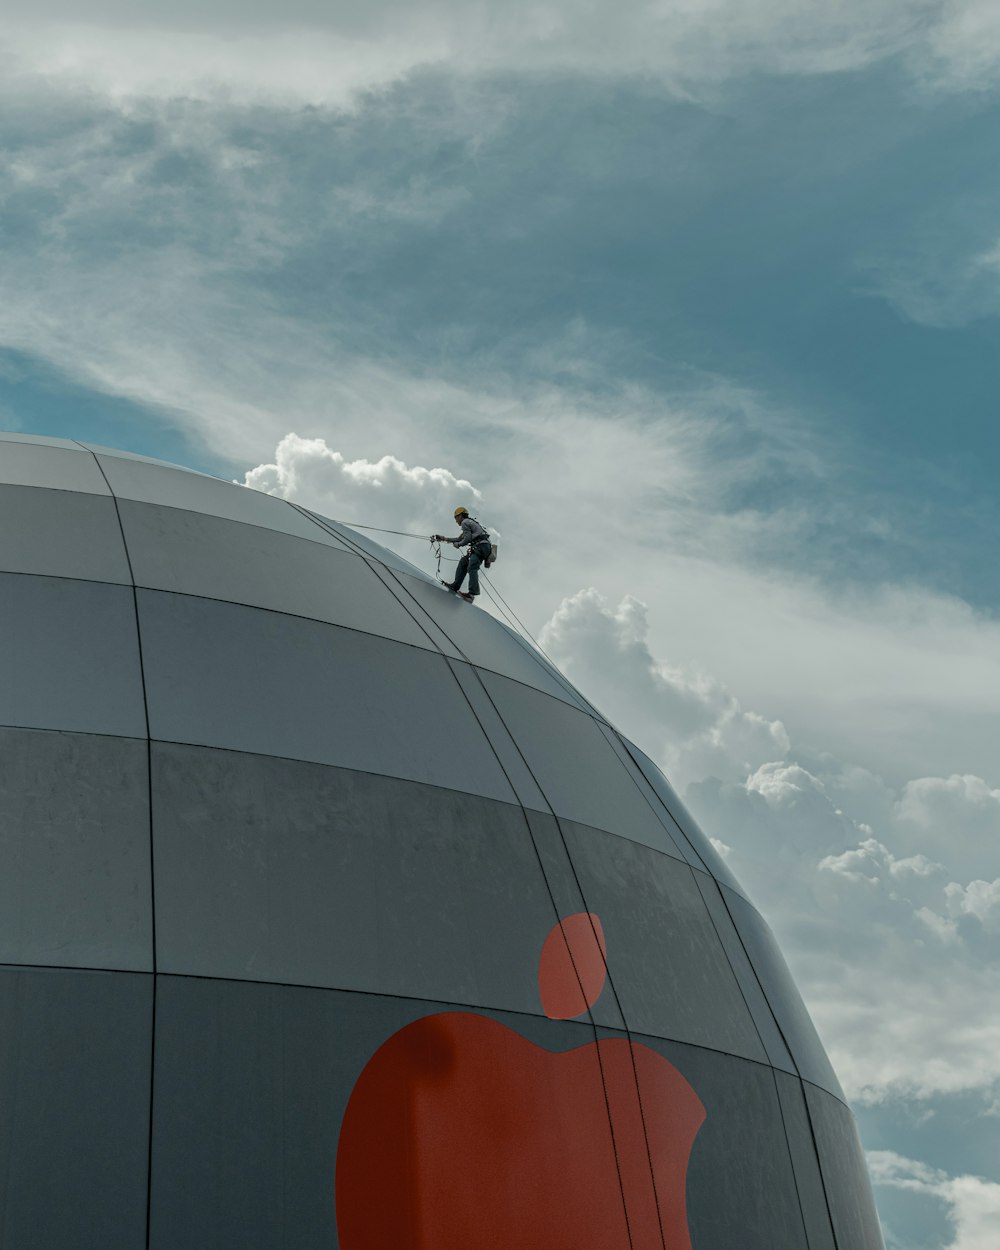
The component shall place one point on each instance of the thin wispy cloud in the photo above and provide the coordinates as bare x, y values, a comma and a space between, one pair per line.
327, 53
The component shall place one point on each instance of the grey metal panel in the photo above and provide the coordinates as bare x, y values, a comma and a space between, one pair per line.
568, 899
668, 966
132, 455
577, 770
487, 643
698, 851
38, 440
763, 1018
353, 540
222, 675
435, 637
74, 1108
842, 1160
251, 1086
197, 492
61, 533
275, 870
808, 1180
674, 839
740, 1184
518, 773
74, 851
34, 464
69, 657
173, 549
786, 1002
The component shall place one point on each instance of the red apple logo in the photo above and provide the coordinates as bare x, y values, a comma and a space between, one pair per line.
462, 1135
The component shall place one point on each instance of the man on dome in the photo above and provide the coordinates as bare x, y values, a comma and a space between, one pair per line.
477, 540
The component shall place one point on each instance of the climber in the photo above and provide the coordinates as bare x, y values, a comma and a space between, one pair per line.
479, 551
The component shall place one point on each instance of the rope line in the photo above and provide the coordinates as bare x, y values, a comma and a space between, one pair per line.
508, 613
534, 641
378, 529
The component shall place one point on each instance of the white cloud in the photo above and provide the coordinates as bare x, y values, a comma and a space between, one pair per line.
979, 898
683, 717
302, 50
386, 492
890, 927
972, 1203
943, 276
870, 859
964, 45
956, 817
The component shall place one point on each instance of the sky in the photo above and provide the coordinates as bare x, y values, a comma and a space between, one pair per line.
695, 303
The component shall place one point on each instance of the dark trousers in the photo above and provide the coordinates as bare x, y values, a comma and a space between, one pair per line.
470, 563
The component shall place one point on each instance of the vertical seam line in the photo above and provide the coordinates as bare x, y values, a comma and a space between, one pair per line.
152, 867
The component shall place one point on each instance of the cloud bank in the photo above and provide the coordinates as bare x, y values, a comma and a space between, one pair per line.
972, 1204
303, 50
886, 900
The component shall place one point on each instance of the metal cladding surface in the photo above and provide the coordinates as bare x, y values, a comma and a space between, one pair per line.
331, 915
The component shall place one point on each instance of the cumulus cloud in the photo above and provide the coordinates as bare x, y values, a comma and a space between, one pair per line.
897, 959
384, 492
883, 897
682, 717
971, 1203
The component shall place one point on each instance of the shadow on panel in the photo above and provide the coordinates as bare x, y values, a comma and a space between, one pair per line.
782, 994
38, 440
694, 843
61, 533
842, 1159
74, 1108
74, 851
740, 1185
511, 759
275, 870
172, 549
763, 1017
54, 466
70, 656
281, 1113
178, 488
569, 901
812, 1194
578, 772
667, 964
361, 544
222, 675
487, 643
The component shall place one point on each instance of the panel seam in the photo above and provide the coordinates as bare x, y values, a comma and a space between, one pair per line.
152, 865
449, 660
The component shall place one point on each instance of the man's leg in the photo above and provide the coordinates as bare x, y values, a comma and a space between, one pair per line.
460, 572
475, 560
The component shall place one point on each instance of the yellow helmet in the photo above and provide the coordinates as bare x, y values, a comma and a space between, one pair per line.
461, 512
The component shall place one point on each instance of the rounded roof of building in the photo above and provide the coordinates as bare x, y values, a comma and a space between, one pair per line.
244, 637
109, 516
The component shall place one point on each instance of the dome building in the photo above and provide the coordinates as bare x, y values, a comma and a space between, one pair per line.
332, 915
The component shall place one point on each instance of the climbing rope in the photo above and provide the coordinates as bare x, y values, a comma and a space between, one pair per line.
504, 608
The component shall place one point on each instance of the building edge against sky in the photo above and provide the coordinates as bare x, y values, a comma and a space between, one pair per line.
334, 916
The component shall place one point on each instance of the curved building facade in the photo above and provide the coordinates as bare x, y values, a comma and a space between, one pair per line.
332, 916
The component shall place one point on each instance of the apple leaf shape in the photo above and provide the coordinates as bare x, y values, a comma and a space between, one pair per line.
572, 967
